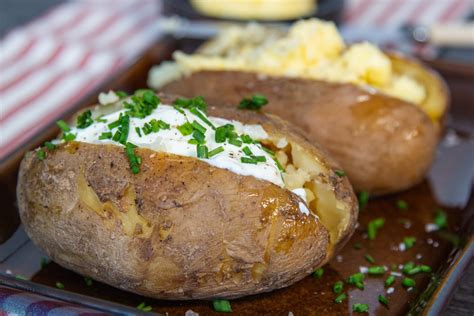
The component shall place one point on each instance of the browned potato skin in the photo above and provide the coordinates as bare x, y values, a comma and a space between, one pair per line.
179, 229
384, 144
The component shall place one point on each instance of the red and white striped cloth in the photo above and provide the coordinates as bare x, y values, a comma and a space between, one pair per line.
51, 63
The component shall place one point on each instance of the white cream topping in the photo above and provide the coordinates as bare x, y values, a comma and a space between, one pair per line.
172, 141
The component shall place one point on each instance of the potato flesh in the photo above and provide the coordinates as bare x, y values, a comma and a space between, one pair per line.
302, 170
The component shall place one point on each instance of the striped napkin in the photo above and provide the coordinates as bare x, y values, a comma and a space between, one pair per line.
51, 63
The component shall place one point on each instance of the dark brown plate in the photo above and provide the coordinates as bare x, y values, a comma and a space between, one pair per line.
448, 252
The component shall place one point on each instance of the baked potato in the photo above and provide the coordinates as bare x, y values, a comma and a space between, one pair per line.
378, 115
173, 226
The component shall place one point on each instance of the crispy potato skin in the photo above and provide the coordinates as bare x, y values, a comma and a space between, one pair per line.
384, 144
179, 229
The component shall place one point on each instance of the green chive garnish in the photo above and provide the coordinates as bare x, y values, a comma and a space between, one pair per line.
408, 266
377, 270
357, 245
318, 273
441, 219
121, 94
105, 135
255, 103
374, 226
216, 151
198, 127
199, 137
425, 268
340, 298
143, 307
235, 142
260, 158
338, 287
357, 279
369, 258
84, 120
50, 145
63, 126
247, 151
407, 282
247, 139
222, 306
409, 242
185, 129
248, 160
41, 154
137, 129
383, 300
202, 151
88, 281
340, 173
360, 308
390, 280
69, 136
203, 118
363, 198
59, 285
401, 204
133, 159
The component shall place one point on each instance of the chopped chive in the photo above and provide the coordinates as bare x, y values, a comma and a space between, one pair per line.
255, 103
383, 300
374, 226
401, 204
260, 158
50, 145
133, 159
193, 142
59, 285
185, 129
390, 280
340, 298
121, 94
84, 120
100, 119
69, 136
280, 167
340, 173
143, 307
369, 258
360, 308
408, 266
222, 306
203, 118
63, 126
221, 134
268, 151
318, 273
425, 268
247, 139
248, 160
407, 282
198, 127
357, 245
235, 142
137, 129
377, 270
199, 137
178, 108
414, 271
105, 135
441, 219
357, 279
20, 277
453, 238
363, 198
409, 242
216, 151
41, 154
338, 287
247, 151
88, 281
202, 151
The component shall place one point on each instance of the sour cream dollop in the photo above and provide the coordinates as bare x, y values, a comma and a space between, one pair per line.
172, 141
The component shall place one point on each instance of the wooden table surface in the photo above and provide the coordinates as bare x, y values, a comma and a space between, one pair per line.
17, 12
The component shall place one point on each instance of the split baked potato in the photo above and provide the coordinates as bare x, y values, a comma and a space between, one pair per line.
179, 227
378, 115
